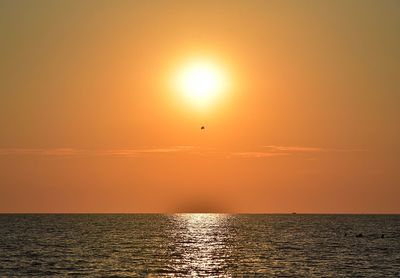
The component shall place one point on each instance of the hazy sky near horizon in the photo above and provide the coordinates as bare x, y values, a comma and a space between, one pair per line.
310, 123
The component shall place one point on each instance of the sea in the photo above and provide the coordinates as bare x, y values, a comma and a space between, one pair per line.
199, 245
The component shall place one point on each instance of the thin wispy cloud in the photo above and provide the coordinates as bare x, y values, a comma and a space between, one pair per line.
139, 152
300, 149
43, 152
87, 152
258, 154
274, 150
261, 152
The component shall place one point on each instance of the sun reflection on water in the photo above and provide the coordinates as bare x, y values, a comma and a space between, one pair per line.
202, 244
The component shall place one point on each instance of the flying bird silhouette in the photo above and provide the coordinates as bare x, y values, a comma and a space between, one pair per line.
202, 127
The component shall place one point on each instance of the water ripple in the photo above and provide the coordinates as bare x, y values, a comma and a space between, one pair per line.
202, 245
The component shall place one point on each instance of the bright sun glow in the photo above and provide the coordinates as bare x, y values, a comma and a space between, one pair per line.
201, 82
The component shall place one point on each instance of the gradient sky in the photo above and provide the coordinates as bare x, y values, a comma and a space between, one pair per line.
311, 123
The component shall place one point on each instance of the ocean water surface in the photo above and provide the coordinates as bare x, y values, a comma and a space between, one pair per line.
199, 245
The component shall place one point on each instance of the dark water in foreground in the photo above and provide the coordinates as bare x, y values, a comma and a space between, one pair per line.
210, 245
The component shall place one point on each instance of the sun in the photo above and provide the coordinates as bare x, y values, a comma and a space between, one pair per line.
201, 82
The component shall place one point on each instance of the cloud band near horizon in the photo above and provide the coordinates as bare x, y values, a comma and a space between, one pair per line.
264, 151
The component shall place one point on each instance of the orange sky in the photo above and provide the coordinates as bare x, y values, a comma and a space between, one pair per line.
309, 124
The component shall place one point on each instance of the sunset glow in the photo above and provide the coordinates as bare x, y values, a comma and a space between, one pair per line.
200, 106
200, 138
